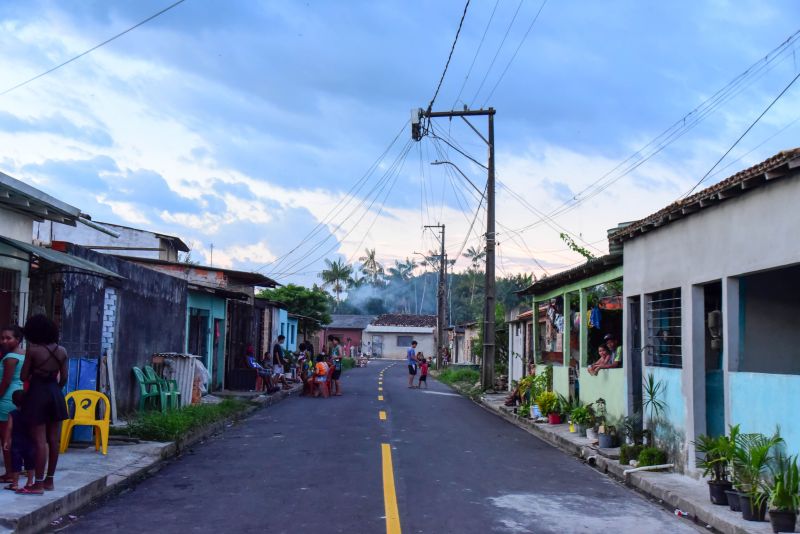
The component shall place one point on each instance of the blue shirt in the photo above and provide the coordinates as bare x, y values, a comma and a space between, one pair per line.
411, 356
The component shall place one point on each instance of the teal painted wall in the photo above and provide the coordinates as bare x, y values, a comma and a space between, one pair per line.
291, 334
216, 308
673, 395
760, 401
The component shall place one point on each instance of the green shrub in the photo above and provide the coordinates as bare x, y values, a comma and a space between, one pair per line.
525, 410
348, 363
652, 456
155, 426
453, 375
628, 453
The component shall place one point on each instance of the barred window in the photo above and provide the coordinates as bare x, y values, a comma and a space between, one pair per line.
664, 329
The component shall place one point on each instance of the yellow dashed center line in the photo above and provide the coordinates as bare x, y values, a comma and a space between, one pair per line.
382, 415
389, 494
380, 389
380, 397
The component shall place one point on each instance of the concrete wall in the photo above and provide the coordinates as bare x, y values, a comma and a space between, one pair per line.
15, 225
151, 316
755, 406
610, 385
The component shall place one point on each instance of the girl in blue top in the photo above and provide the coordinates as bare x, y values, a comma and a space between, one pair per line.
10, 369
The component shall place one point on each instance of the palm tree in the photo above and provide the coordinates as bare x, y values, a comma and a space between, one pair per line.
476, 257
356, 280
371, 267
335, 275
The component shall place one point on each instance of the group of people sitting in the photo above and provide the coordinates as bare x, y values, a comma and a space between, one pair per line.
32, 404
320, 375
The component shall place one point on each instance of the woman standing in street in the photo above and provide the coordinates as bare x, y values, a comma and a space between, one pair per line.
10, 369
46, 368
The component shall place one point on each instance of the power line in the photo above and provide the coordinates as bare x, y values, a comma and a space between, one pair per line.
67, 62
679, 128
524, 37
391, 177
350, 195
475, 57
689, 192
499, 48
449, 57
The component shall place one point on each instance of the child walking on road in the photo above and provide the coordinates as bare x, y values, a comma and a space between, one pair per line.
18, 441
423, 372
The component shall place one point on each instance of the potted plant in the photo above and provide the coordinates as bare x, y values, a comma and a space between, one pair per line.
524, 411
548, 405
565, 408
581, 417
713, 460
607, 436
752, 459
783, 494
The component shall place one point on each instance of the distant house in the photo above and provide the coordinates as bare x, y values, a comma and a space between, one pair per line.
350, 330
390, 335
462, 340
125, 241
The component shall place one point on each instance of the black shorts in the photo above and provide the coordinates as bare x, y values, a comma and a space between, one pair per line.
412, 369
423, 378
23, 458
337, 374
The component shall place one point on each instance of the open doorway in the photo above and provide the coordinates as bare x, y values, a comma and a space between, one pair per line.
715, 390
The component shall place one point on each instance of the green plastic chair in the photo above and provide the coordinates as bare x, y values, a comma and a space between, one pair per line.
170, 393
149, 391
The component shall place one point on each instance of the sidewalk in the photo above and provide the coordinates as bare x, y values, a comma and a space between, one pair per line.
673, 489
84, 475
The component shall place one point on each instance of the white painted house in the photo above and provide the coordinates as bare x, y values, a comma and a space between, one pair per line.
712, 306
126, 241
391, 335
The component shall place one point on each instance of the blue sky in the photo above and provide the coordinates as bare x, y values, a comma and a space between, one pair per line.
245, 124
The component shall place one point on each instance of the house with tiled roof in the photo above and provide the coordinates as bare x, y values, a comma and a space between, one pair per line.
711, 296
390, 335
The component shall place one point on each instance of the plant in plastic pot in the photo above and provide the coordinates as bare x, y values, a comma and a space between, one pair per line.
783, 494
607, 436
581, 417
548, 405
754, 453
712, 458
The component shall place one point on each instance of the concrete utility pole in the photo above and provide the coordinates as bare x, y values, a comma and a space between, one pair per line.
441, 303
418, 130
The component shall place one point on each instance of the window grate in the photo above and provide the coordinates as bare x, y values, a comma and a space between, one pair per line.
664, 329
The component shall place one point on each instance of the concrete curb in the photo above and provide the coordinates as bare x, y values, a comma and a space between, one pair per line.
42, 517
651, 484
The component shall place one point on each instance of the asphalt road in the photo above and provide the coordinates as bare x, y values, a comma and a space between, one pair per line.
318, 465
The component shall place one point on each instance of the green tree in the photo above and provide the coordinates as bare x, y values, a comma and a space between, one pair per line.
312, 303
335, 276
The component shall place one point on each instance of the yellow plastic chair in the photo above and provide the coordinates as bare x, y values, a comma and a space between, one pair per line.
86, 403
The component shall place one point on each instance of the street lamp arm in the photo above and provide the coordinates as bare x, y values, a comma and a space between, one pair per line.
437, 162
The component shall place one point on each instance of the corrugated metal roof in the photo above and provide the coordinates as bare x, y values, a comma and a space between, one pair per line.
59, 257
